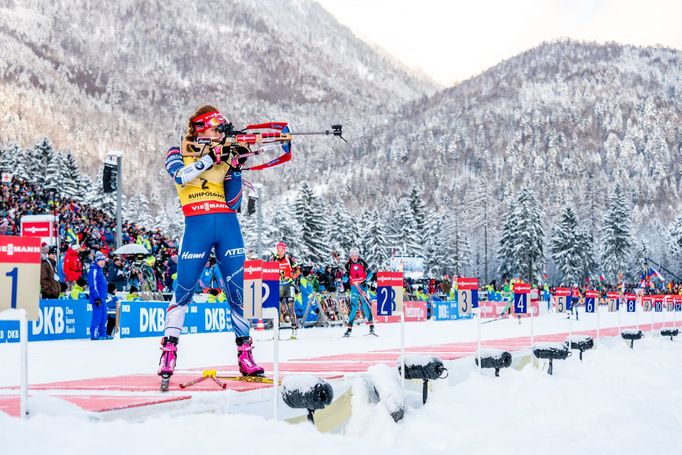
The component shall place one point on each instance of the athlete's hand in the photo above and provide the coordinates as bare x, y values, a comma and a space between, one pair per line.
98, 302
239, 156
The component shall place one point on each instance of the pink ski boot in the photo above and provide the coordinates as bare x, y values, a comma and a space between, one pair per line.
169, 349
247, 366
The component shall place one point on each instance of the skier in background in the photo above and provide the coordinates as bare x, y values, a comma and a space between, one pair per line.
358, 274
289, 271
209, 184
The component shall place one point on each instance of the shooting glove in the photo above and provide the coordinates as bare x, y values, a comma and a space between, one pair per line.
238, 156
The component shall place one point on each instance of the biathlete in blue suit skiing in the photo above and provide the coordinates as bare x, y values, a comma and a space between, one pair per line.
210, 192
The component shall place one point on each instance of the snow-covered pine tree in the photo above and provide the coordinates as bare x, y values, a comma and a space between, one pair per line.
13, 160
342, 231
675, 245
408, 240
249, 225
456, 245
40, 157
565, 248
481, 210
70, 185
530, 234
311, 218
286, 228
506, 250
418, 212
171, 220
615, 236
56, 173
374, 243
586, 245
138, 211
435, 248
637, 263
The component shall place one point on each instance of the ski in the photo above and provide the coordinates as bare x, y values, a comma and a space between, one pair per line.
165, 382
499, 318
371, 333
259, 379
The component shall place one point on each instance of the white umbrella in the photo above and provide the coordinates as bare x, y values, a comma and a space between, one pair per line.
132, 248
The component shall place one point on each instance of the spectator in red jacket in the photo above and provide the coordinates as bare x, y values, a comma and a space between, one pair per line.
73, 267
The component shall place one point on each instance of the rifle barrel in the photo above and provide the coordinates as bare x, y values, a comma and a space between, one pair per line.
311, 133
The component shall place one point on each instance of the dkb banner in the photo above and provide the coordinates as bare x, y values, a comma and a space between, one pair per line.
57, 320
447, 311
146, 319
70, 319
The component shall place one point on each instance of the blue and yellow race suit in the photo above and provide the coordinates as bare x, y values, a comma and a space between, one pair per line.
210, 194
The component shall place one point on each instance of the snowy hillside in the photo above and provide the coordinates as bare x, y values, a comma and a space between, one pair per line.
258, 61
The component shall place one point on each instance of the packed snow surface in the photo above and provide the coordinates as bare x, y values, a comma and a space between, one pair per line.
616, 401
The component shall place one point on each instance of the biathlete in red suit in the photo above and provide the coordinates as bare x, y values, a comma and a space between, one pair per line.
358, 274
289, 271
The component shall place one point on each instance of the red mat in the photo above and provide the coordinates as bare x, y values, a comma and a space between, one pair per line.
95, 403
146, 383
328, 367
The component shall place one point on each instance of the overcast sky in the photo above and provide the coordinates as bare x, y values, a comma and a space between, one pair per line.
452, 40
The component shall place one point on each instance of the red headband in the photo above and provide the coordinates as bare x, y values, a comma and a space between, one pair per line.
208, 120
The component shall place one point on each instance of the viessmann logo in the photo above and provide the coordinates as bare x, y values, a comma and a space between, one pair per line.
34, 229
207, 206
11, 248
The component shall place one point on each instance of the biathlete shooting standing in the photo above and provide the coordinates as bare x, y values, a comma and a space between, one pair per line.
208, 180
358, 274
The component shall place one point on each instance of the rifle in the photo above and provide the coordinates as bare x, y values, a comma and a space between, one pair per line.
256, 139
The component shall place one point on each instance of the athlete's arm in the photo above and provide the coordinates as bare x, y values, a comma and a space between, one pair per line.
182, 174
233, 189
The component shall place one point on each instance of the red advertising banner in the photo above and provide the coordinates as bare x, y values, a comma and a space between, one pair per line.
592, 294
19, 250
253, 269
270, 271
562, 292
36, 229
612, 295
469, 284
414, 312
521, 288
390, 279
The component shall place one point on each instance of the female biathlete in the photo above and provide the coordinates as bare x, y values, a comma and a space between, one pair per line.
210, 191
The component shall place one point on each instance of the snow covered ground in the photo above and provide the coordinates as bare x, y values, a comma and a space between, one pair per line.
618, 400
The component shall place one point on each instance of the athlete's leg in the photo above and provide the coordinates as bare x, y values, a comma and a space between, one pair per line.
197, 241
354, 300
230, 258
366, 307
